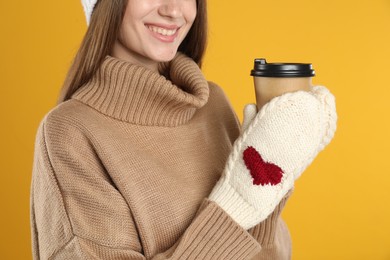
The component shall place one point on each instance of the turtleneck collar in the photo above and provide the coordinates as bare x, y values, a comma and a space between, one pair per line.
138, 95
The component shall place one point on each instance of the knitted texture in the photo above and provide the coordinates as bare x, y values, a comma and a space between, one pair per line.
154, 100
262, 172
88, 6
123, 169
273, 151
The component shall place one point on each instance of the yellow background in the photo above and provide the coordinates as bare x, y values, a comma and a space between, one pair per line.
340, 208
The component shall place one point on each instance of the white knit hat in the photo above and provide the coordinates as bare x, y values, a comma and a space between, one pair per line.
88, 8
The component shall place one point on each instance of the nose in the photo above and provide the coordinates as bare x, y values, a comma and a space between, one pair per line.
170, 8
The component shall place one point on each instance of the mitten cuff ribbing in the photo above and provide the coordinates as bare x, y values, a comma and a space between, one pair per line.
234, 204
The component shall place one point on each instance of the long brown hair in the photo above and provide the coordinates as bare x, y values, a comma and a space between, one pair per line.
102, 32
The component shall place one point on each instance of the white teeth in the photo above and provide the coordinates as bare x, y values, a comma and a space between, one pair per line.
162, 31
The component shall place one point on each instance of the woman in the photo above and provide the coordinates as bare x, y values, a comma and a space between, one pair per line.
142, 158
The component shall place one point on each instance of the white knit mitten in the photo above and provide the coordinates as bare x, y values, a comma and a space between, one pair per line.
276, 146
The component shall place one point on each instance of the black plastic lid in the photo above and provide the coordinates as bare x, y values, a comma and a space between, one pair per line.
280, 70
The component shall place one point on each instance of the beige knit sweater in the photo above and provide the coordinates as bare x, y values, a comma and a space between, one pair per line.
123, 170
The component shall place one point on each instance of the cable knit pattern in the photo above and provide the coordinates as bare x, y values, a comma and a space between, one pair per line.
123, 169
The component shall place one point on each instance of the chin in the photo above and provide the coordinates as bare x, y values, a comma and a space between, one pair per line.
165, 56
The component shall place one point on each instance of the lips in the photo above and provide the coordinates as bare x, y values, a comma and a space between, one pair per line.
165, 33
162, 31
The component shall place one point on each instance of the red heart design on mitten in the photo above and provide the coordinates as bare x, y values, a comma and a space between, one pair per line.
262, 172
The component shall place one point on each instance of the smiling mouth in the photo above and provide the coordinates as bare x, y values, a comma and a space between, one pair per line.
162, 31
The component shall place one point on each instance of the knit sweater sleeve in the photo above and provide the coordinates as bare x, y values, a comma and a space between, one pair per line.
71, 196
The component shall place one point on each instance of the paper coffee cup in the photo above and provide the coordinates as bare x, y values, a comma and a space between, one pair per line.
274, 79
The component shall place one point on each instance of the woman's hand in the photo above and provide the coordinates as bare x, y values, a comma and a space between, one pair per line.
276, 146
